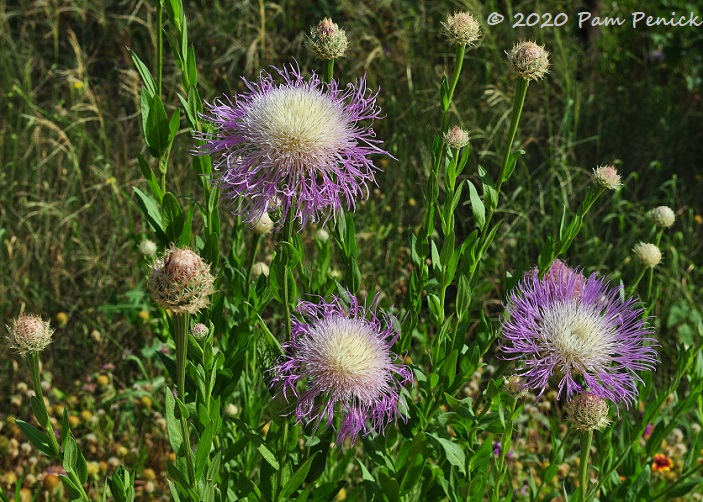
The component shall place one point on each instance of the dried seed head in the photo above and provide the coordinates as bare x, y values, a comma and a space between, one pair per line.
662, 216
263, 225
181, 281
586, 412
529, 60
258, 269
649, 254
607, 177
462, 28
515, 386
30, 333
456, 137
147, 248
199, 331
327, 40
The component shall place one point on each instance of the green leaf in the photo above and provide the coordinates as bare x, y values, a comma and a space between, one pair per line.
477, 207
157, 128
144, 73
463, 297
38, 438
173, 125
39, 410
71, 488
150, 178
268, 456
298, 477
70, 453
172, 215
152, 213
145, 105
203, 453
512, 162
173, 425
455, 455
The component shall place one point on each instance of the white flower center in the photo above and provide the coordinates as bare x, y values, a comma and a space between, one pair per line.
298, 127
346, 358
578, 336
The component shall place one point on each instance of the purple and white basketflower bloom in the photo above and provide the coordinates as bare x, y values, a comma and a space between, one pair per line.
339, 364
577, 327
299, 145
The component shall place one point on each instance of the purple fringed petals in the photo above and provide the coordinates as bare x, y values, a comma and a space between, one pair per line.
339, 364
581, 329
297, 146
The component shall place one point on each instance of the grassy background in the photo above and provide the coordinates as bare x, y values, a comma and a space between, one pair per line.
70, 130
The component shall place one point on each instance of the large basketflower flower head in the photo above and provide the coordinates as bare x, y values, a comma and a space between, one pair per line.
581, 329
300, 143
339, 364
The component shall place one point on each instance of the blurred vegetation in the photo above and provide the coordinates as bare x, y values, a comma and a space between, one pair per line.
69, 225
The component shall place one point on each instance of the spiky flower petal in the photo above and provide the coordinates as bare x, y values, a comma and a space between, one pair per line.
340, 364
580, 328
298, 145
181, 281
30, 333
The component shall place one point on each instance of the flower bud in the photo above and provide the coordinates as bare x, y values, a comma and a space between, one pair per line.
147, 248
322, 235
181, 281
29, 333
662, 216
456, 137
607, 177
648, 254
529, 60
515, 386
327, 40
199, 331
263, 225
462, 28
586, 412
258, 269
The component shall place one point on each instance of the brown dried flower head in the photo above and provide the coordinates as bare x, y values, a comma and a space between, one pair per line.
181, 281
587, 412
327, 40
462, 28
30, 333
529, 60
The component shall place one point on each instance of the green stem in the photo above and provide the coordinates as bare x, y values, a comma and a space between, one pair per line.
250, 261
586, 439
159, 46
281, 461
33, 361
518, 103
287, 234
327, 70
180, 328
262, 31
458, 64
